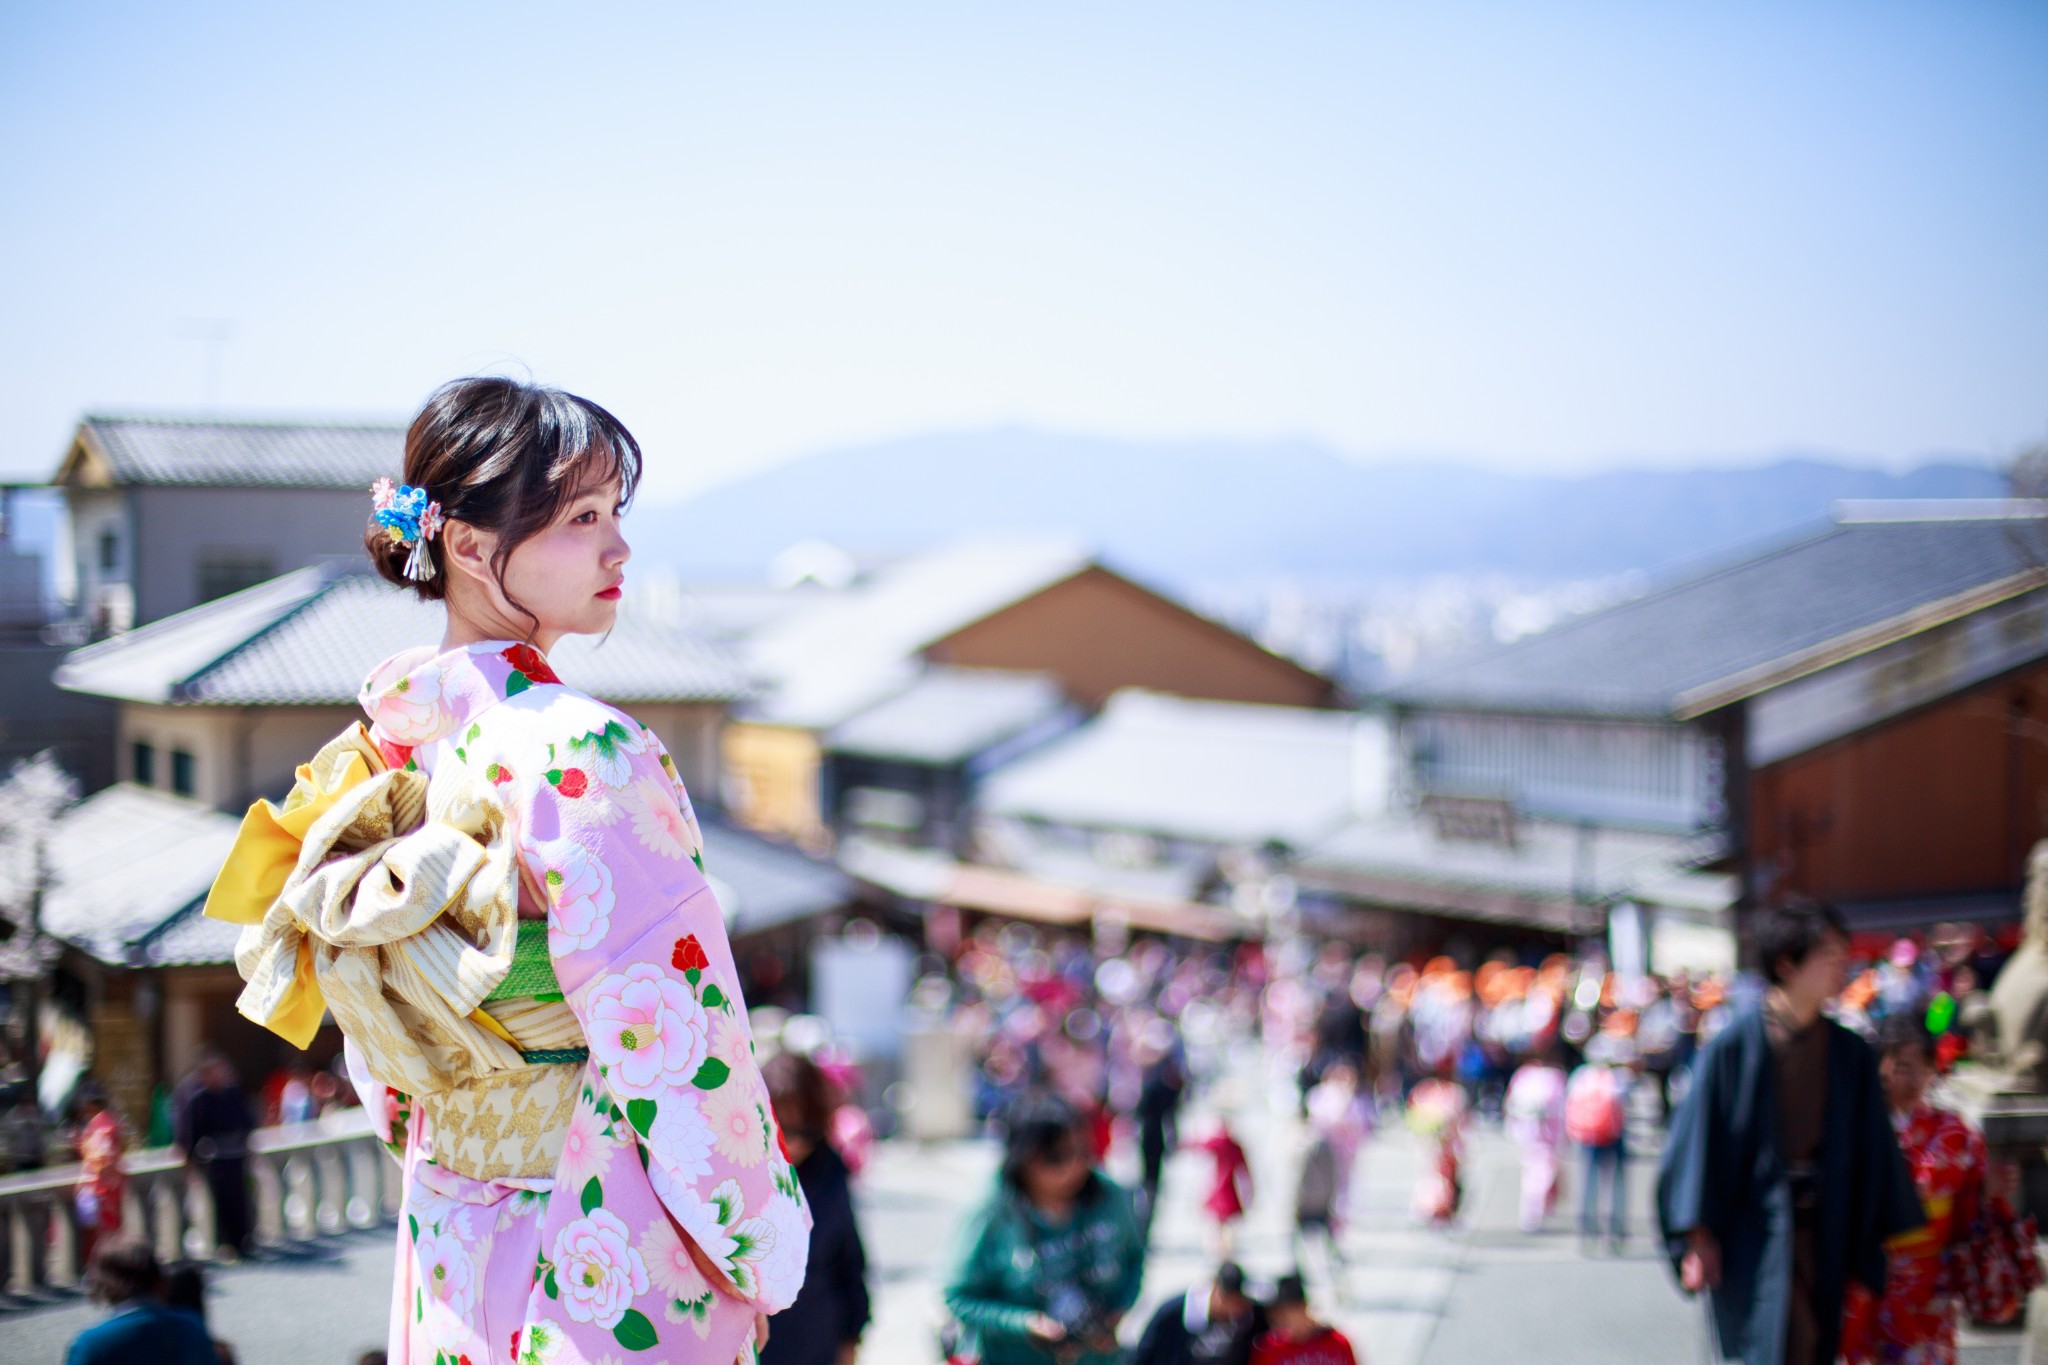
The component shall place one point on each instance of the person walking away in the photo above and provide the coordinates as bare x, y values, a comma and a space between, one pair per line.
1596, 1118
1315, 1207
1535, 1123
824, 1325
1230, 1184
213, 1132
102, 1184
1781, 1179
144, 1330
1047, 1265
1436, 1113
185, 1291
1915, 1319
1211, 1324
1162, 1083
1296, 1337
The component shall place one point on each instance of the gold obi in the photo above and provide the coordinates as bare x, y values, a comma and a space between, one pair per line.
400, 914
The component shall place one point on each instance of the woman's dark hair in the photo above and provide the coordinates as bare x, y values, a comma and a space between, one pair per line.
801, 1094
1789, 934
505, 457
185, 1287
1900, 1032
1036, 1124
123, 1270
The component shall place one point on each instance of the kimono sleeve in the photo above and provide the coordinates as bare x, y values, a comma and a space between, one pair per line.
639, 949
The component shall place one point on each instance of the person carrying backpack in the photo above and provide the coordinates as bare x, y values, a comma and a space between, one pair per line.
1595, 1117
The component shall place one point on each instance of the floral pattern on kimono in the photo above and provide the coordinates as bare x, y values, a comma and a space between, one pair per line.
672, 1141
1915, 1322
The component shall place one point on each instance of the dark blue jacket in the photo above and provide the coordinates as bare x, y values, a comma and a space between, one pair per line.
1722, 1170
144, 1332
832, 1307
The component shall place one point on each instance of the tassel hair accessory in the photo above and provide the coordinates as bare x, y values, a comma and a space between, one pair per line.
412, 519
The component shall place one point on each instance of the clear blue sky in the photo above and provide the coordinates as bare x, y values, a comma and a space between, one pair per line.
1547, 235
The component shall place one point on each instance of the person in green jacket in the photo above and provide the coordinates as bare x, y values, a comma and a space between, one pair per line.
1051, 1261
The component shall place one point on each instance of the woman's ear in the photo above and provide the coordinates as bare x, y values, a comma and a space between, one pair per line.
467, 549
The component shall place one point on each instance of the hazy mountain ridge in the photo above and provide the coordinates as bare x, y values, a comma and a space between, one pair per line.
1215, 510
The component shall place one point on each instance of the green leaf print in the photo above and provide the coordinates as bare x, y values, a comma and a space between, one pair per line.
548, 1284
415, 1226
516, 682
713, 997
634, 1331
593, 1195
419, 1304
640, 1113
711, 1075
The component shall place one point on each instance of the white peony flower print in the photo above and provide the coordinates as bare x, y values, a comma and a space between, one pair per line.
445, 1269
412, 709
586, 1151
780, 1256
580, 898
597, 1270
609, 750
658, 822
647, 1031
702, 1221
679, 1138
542, 1342
733, 1113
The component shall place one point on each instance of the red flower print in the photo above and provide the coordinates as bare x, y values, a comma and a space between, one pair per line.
498, 773
570, 782
515, 1343
528, 660
689, 955
395, 755
783, 1147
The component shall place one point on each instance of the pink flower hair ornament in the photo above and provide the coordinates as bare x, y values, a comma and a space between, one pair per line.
412, 519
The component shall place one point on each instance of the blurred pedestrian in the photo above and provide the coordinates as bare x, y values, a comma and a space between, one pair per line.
1050, 1262
144, 1330
1915, 1320
1436, 1113
1211, 1324
102, 1184
1535, 1123
1781, 1179
212, 1128
1315, 1206
185, 1291
824, 1325
1296, 1337
1163, 1080
1596, 1118
1230, 1184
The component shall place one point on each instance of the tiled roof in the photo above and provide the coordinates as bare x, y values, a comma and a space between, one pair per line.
854, 647
1647, 656
168, 849
311, 636
949, 715
212, 453
1221, 772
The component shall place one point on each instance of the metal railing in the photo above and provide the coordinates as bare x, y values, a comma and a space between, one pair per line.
306, 1180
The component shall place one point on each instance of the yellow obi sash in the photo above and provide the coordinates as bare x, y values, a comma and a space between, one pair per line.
393, 902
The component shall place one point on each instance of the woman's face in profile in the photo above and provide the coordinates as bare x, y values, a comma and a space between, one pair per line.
570, 574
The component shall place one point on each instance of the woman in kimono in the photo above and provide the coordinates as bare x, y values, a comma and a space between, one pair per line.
592, 1166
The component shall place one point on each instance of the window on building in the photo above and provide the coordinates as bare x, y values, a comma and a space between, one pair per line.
142, 762
110, 550
181, 772
224, 571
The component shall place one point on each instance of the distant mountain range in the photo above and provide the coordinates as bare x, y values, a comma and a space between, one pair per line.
1218, 511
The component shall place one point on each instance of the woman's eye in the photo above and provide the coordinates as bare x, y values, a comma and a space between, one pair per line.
587, 518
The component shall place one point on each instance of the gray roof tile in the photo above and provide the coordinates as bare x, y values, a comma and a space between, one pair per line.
212, 453
1641, 657
949, 715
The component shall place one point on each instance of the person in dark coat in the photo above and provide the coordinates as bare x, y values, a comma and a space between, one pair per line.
125, 1275
1211, 1324
824, 1325
1782, 1179
212, 1128
1162, 1084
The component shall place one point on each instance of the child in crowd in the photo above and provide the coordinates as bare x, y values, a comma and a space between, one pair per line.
1296, 1338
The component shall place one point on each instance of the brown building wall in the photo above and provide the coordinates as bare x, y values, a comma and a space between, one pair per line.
1097, 632
1944, 801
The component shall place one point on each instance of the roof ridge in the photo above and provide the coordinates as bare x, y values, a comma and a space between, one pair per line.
161, 419
331, 575
176, 621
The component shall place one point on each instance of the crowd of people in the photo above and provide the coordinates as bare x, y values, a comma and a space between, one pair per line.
1081, 1052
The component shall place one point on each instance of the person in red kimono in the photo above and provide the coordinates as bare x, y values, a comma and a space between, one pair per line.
1296, 1337
1230, 1187
102, 1184
1915, 1322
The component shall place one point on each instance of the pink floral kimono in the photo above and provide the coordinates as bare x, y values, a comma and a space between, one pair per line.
671, 1135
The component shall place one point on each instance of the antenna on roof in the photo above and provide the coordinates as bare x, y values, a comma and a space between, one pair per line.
213, 335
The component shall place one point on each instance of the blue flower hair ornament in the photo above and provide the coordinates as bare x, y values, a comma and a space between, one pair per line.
412, 519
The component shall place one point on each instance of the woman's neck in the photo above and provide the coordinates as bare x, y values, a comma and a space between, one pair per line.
466, 629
